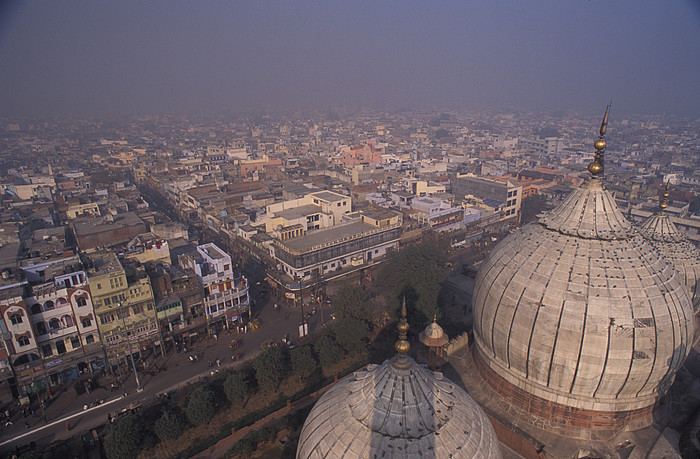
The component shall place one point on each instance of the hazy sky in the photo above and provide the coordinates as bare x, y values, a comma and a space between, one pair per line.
101, 57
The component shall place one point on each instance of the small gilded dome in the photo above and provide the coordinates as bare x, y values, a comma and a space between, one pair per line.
399, 413
433, 335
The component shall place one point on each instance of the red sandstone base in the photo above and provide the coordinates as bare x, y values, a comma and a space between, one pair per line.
572, 422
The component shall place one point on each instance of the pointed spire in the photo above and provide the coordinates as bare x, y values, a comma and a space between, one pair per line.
663, 203
401, 360
597, 166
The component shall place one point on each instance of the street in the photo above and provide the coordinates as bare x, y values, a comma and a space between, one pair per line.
176, 370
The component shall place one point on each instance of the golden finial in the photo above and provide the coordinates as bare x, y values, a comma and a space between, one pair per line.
664, 200
597, 166
435, 319
401, 361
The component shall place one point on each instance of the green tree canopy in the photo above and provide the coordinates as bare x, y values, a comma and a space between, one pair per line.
200, 405
531, 206
353, 302
329, 352
302, 361
169, 426
125, 439
271, 367
235, 387
416, 273
350, 333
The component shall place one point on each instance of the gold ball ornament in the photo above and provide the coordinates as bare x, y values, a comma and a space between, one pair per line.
599, 144
595, 168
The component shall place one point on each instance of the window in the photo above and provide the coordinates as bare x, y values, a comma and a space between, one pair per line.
75, 342
339, 204
111, 283
122, 297
86, 322
23, 341
121, 282
41, 328
54, 324
227, 267
67, 321
82, 301
16, 319
99, 286
123, 313
112, 338
89, 339
108, 301
137, 309
48, 305
106, 318
46, 350
115, 299
36, 308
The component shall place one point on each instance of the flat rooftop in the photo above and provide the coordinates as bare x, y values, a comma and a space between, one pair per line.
329, 196
213, 252
298, 212
327, 236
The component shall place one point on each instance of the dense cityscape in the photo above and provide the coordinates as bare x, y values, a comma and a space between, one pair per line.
135, 250
357, 230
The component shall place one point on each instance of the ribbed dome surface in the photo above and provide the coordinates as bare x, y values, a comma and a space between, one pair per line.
671, 243
577, 310
390, 412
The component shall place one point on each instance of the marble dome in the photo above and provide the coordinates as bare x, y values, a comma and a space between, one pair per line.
397, 409
577, 318
660, 231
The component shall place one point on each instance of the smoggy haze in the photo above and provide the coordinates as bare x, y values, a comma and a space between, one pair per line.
88, 57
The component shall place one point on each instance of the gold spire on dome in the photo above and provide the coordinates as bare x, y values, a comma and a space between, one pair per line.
664, 199
596, 167
401, 360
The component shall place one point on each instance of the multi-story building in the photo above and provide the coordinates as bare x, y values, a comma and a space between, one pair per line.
225, 295
505, 195
124, 306
178, 296
293, 218
19, 340
365, 237
64, 325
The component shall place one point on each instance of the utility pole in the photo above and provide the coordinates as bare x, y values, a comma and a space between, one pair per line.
128, 340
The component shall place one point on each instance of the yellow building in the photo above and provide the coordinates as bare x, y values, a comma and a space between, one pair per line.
124, 305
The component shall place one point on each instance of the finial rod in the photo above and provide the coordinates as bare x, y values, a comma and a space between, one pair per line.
402, 346
664, 199
597, 166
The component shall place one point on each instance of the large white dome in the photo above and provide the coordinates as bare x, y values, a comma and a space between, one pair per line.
397, 409
660, 231
578, 319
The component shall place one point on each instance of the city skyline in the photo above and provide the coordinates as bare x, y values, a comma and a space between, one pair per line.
83, 58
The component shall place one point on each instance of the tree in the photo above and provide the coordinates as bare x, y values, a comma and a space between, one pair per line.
350, 333
531, 206
125, 439
235, 387
200, 405
416, 273
169, 426
353, 302
270, 368
303, 361
329, 352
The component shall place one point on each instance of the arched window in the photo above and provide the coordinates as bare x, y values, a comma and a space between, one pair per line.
54, 324
82, 301
23, 341
16, 319
48, 305
67, 321
61, 302
40, 328
36, 308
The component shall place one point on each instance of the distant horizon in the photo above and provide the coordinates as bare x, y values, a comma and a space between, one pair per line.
84, 59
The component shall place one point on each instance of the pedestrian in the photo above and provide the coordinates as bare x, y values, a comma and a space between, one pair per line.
26, 425
67, 426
